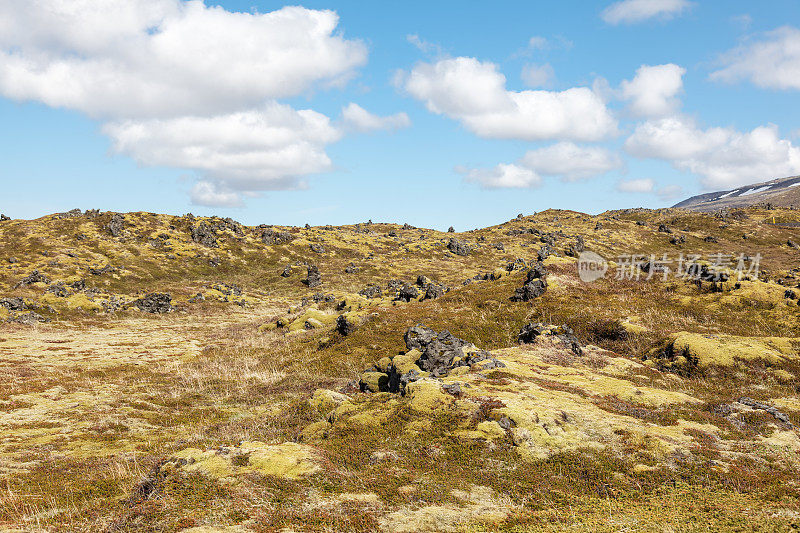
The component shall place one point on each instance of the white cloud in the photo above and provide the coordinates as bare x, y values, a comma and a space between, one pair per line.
158, 58
653, 91
424, 46
210, 194
570, 162
537, 42
648, 185
356, 118
566, 160
474, 93
632, 11
724, 157
771, 60
642, 185
538, 75
271, 148
502, 176
185, 85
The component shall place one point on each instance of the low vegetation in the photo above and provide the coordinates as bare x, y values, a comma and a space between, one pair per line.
162, 373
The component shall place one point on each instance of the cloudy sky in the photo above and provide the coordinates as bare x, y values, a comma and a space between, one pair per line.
433, 113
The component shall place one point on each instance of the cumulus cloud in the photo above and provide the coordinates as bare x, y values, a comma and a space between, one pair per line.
270, 148
571, 162
158, 58
642, 185
356, 118
633, 11
473, 93
538, 75
210, 194
653, 92
565, 160
723, 157
648, 185
770, 60
184, 85
502, 176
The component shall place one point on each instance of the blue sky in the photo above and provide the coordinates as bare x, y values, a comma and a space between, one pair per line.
616, 104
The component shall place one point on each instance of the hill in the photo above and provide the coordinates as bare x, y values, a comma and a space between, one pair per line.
782, 192
181, 373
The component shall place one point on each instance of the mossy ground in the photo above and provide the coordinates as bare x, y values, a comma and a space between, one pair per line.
94, 403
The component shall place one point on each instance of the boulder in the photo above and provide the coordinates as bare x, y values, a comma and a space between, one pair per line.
537, 270
100, 271
408, 293
205, 235
317, 248
287, 271
344, 326
13, 304
535, 284
564, 334
270, 236
58, 289
33, 277
314, 278
543, 253
575, 247
433, 291
395, 284
458, 247
530, 291
371, 291
154, 303
374, 382
417, 337
439, 353
116, 225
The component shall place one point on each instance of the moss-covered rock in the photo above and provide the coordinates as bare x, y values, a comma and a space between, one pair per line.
374, 382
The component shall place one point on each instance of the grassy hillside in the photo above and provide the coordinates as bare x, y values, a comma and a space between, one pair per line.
672, 405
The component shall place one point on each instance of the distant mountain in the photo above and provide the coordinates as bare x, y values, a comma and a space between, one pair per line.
781, 192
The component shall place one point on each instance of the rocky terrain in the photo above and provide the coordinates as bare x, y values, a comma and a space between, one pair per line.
781, 192
180, 373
